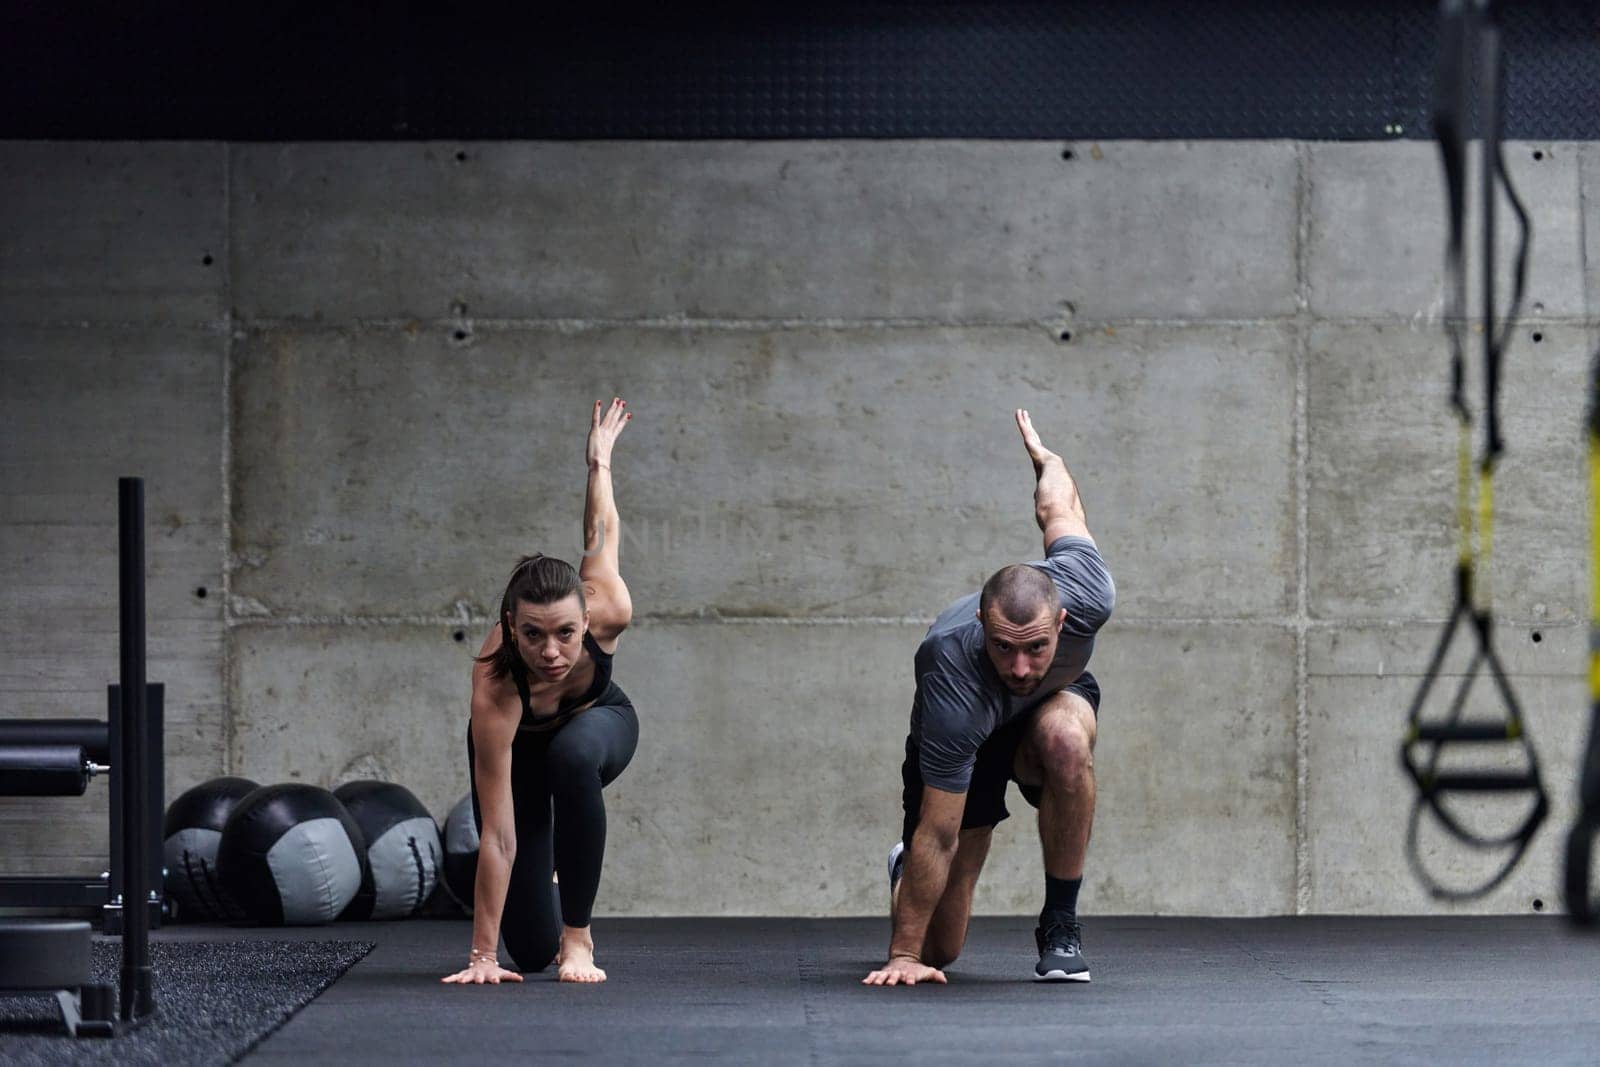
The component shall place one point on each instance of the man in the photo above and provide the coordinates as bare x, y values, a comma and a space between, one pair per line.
1002, 695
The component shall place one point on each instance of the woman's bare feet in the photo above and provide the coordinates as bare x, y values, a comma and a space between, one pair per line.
575, 961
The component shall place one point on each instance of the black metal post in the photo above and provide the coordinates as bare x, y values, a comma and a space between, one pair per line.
137, 999
154, 803
1489, 71
155, 806
116, 889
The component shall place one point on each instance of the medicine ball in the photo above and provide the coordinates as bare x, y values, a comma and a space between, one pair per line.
461, 854
191, 833
403, 850
291, 854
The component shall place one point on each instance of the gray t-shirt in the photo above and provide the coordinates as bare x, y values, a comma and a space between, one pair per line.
960, 698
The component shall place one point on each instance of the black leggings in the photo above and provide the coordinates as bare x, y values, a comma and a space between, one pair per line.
565, 770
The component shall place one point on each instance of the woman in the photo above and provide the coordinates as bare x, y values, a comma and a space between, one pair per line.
549, 729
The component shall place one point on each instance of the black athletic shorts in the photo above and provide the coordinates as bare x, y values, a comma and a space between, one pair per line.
986, 794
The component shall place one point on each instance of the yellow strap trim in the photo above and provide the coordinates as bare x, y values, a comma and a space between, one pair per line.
1485, 535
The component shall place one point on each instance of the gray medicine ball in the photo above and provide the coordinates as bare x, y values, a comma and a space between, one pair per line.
291, 854
403, 850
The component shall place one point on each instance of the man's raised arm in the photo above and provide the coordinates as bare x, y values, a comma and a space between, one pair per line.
1056, 505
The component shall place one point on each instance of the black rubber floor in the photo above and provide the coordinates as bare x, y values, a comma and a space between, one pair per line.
1189, 991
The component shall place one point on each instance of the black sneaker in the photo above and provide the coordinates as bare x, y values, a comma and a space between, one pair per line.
1060, 953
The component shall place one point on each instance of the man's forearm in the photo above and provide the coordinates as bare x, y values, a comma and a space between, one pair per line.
1056, 495
927, 872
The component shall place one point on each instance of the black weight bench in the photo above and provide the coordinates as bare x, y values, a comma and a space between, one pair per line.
52, 956
59, 758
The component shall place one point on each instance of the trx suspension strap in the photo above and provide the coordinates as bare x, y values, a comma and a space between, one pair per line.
1581, 906
1470, 42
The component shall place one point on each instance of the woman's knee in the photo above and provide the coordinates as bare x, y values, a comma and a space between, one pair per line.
596, 746
532, 951
574, 763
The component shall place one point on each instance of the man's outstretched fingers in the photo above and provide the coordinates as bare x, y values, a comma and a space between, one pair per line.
1030, 436
903, 975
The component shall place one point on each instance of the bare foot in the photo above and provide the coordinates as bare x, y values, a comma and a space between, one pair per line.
575, 961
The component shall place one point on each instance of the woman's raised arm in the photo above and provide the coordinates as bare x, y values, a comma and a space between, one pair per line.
610, 607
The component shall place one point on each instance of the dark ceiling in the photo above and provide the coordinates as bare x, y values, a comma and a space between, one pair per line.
394, 70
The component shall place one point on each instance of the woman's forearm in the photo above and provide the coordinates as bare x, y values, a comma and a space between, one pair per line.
489, 893
601, 524
602, 528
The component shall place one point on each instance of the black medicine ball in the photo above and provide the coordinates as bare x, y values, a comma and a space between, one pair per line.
291, 854
461, 854
191, 833
403, 850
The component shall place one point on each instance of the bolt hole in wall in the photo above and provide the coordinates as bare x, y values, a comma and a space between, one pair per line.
1065, 336
200, 592
459, 635
1538, 154
461, 157
206, 260
1538, 904
1067, 154
1537, 637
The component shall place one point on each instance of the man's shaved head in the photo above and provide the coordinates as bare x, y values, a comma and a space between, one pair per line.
1019, 592
1022, 616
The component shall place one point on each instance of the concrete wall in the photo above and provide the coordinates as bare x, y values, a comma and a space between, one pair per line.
113, 361
357, 379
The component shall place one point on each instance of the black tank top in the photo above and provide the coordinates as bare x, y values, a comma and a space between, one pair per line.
567, 709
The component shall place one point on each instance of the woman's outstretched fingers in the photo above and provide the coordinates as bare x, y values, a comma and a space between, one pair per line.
613, 414
604, 429
482, 974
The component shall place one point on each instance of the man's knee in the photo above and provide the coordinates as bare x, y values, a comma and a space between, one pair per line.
1064, 748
